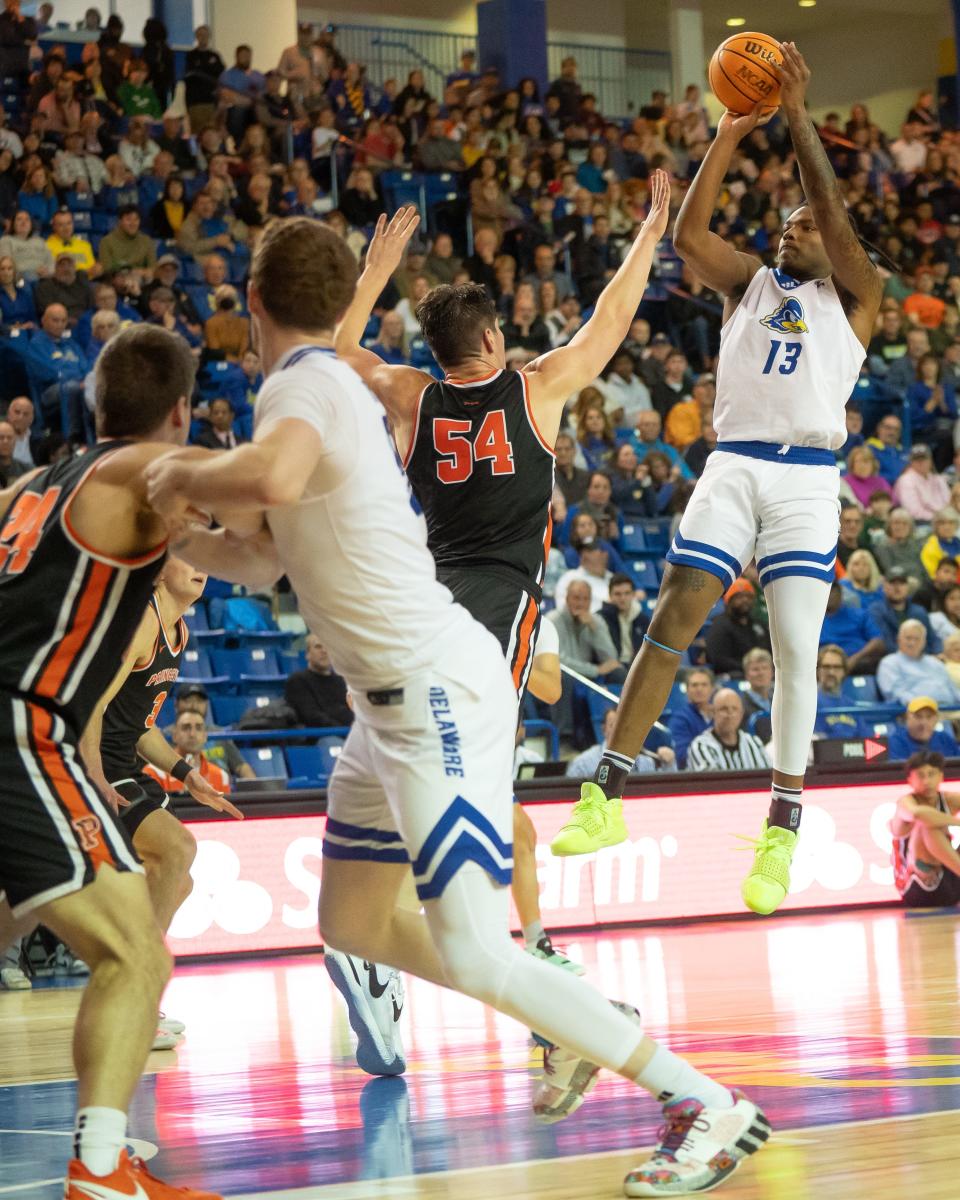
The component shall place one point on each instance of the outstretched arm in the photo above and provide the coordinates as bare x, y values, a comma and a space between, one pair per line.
555, 375
223, 554
397, 388
851, 265
711, 259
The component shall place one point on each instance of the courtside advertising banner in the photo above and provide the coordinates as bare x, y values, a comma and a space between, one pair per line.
256, 882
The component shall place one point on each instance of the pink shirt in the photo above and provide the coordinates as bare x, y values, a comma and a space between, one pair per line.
921, 496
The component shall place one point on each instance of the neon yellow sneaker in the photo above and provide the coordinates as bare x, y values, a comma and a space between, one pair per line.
767, 884
594, 823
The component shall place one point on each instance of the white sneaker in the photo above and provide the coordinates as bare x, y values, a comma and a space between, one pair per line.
14, 980
165, 1041
171, 1025
374, 996
699, 1147
568, 1079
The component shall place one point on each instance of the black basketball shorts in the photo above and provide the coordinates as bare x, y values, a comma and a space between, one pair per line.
56, 830
146, 796
945, 895
504, 607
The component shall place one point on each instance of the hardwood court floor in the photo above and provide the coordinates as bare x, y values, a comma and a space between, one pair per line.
844, 1028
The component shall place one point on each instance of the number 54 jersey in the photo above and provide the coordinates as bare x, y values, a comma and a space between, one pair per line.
482, 474
788, 364
67, 614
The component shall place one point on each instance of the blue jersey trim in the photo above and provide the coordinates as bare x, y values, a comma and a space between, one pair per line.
702, 564
806, 456
807, 572
299, 355
683, 543
771, 560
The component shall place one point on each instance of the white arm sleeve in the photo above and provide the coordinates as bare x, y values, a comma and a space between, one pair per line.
548, 640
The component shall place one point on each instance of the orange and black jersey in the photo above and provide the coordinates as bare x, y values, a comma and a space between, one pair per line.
483, 475
135, 707
67, 613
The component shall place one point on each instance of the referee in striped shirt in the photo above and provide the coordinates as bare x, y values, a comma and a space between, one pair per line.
725, 746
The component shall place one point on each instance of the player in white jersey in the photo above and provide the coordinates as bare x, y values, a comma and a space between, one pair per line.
790, 352
425, 777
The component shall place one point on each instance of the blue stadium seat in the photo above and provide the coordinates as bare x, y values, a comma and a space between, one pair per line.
598, 706
227, 710
372, 329
101, 222
249, 664
656, 530
267, 761
633, 540
860, 689
195, 618
314, 763
150, 190
195, 664
78, 203
644, 575
290, 661
402, 187
677, 698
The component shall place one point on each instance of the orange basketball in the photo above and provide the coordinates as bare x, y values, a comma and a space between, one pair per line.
742, 72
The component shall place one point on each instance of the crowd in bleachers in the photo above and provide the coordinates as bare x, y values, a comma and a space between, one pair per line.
135, 189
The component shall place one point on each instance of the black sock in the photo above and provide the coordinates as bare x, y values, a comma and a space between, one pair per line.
785, 807
611, 773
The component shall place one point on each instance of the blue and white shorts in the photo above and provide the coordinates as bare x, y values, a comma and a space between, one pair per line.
779, 504
426, 774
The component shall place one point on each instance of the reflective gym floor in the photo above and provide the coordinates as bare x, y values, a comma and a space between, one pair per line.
844, 1028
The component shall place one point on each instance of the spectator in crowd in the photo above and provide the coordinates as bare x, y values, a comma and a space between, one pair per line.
945, 615
567, 91
646, 437
526, 328
734, 632
624, 617
585, 643
10, 467
545, 268
853, 630
861, 584
851, 533
933, 409
943, 541
593, 570
900, 546
77, 169
227, 331
127, 248
54, 359
903, 371
389, 343
66, 286
238, 89
832, 670
137, 149
63, 240
626, 394
672, 388
926, 868
951, 641
317, 694
30, 252
598, 504
204, 67
570, 479
885, 444
17, 309
909, 672
757, 695
20, 415
919, 732
586, 763
104, 299
694, 715
136, 95
205, 232
684, 421
60, 108
862, 478
189, 739
696, 455
17, 34
442, 264
438, 152
919, 490
220, 435
922, 306
726, 746
896, 607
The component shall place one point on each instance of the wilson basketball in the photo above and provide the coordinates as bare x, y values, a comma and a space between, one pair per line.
743, 72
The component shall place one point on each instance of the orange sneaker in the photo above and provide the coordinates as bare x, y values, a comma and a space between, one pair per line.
130, 1181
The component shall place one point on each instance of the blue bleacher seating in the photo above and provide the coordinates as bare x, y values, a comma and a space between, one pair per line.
79, 202
292, 661
227, 710
101, 222
677, 698
645, 575
598, 705
255, 664
633, 540
860, 689
195, 664
402, 187
314, 763
195, 618
267, 761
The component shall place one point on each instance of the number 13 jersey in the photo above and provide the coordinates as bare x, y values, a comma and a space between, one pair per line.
788, 364
482, 474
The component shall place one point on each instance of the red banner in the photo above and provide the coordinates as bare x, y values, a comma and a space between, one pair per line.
256, 882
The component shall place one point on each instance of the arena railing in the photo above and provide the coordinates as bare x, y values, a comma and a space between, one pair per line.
621, 78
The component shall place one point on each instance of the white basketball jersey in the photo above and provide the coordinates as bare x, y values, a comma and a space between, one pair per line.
353, 548
788, 364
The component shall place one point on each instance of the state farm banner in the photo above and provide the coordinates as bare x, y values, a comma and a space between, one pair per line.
256, 882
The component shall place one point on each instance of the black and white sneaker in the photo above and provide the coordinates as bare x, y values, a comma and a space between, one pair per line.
374, 996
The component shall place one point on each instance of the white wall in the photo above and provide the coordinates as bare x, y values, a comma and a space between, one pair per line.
269, 26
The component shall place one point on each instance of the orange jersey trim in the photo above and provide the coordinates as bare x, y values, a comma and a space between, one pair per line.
87, 612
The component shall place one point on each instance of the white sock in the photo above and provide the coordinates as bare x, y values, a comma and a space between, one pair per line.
532, 934
669, 1077
99, 1136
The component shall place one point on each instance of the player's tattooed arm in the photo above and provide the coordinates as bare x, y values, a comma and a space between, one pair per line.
852, 266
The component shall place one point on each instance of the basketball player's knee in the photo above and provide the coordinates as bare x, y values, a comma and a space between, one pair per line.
478, 965
183, 851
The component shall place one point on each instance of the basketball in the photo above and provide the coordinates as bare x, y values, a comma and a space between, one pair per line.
742, 72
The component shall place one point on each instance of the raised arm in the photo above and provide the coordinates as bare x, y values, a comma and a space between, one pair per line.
910, 811
223, 554
851, 265
397, 388
711, 259
555, 375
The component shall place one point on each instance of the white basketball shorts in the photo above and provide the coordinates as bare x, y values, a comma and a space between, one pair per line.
426, 774
784, 512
